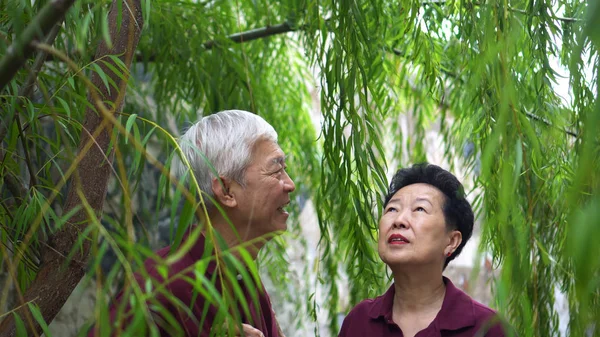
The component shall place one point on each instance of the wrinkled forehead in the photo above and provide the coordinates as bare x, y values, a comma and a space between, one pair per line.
419, 192
267, 152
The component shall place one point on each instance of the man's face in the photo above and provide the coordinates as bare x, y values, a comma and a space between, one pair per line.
261, 202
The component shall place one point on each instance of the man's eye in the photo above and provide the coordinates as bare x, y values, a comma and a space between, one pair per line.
420, 209
391, 209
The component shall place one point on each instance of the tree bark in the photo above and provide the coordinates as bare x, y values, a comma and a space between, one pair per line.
58, 277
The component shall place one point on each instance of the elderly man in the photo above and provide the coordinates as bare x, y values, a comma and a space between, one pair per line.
237, 163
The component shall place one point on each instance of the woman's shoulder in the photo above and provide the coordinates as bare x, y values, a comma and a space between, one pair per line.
357, 322
462, 310
489, 320
459, 298
362, 308
481, 309
365, 317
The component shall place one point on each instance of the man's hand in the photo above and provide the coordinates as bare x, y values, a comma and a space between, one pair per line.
250, 331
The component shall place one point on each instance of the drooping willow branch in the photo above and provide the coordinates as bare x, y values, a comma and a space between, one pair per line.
247, 36
512, 9
285, 27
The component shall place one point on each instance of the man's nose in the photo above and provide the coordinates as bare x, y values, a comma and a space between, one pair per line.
288, 183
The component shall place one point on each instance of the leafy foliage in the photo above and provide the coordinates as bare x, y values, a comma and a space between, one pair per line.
487, 72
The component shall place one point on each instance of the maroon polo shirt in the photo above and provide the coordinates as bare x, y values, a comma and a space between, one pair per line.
262, 319
460, 316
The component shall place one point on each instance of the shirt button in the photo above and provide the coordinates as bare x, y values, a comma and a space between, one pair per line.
239, 277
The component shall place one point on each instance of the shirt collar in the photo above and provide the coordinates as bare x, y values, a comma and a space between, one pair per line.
204, 249
200, 250
456, 312
457, 309
382, 305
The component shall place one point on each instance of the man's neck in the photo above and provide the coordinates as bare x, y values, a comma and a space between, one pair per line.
235, 237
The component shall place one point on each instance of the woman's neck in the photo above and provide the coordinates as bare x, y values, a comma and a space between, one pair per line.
418, 291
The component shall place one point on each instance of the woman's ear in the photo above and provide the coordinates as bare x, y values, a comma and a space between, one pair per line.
221, 190
455, 241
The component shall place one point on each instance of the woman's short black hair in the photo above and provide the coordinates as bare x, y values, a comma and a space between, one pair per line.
457, 210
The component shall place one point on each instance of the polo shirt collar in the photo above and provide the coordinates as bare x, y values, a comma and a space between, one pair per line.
456, 312
201, 250
198, 250
382, 305
457, 309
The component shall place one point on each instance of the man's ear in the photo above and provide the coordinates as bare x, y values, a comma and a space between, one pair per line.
221, 190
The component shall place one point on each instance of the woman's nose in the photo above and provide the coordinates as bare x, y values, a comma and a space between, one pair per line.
400, 220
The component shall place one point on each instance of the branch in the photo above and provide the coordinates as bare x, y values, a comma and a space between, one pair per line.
402, 54
32, 180
15, 187
57, 278
283, 28
247, 36
3, 131
555, 17
27, 88
516, 10
22, 49
255, 34
457, 77
545, 121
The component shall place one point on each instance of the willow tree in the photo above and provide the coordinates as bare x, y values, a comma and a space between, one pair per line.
485, 70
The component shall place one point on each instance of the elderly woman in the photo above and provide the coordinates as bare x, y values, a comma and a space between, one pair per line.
425, 224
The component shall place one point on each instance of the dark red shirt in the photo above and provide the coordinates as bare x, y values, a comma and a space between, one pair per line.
260, 316
460, 316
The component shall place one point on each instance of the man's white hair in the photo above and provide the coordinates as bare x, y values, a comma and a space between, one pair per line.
223, 141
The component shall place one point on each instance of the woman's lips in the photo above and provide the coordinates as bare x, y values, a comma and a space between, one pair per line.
397, 239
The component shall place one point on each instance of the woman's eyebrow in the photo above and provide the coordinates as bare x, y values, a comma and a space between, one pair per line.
395, 201
424, 199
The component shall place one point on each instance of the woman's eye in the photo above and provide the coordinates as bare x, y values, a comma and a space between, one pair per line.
420, 209
391, 209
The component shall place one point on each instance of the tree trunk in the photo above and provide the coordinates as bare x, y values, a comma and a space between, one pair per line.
57, 277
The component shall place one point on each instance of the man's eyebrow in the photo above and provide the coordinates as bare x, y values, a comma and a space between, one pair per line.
278, 160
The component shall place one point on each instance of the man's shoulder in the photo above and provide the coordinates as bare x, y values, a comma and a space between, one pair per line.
156, 265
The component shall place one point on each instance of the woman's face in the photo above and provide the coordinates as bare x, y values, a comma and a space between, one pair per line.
412, 229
